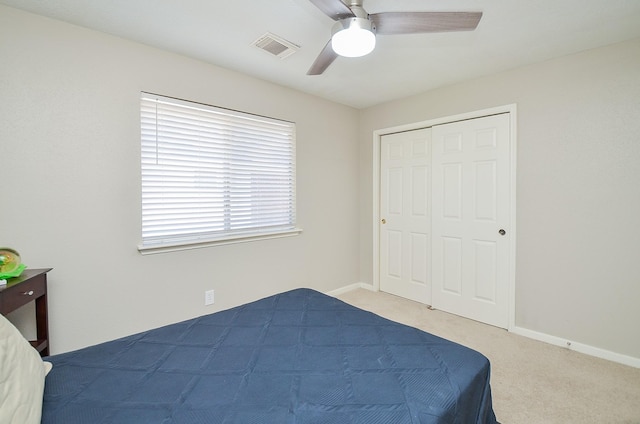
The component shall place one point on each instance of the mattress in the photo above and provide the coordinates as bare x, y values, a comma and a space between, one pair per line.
296, 357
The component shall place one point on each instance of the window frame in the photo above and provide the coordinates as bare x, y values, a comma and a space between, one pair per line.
155, 135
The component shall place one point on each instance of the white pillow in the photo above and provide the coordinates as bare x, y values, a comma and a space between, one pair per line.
21, 377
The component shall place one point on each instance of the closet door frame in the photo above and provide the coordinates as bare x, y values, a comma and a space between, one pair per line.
511, 109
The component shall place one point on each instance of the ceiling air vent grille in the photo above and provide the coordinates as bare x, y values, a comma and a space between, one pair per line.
275, 45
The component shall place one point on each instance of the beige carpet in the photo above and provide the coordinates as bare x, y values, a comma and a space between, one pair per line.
532, 382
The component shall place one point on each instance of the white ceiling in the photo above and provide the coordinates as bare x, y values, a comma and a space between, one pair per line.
511, 34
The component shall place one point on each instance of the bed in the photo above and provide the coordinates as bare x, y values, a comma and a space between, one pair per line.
296, 357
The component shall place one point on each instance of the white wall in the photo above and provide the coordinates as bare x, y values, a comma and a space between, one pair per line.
69, 155
578, 188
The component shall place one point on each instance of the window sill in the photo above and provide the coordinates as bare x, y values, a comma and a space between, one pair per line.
165, 248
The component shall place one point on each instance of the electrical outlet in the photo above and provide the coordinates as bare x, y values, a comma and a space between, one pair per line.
208, 297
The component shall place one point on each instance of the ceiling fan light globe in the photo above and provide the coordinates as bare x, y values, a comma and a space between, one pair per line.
353, 37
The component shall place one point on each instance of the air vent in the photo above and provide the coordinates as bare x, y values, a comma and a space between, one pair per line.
275, 45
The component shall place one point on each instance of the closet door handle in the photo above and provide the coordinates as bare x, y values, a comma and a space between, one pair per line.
502, 232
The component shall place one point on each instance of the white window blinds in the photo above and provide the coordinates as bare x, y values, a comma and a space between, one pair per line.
212, 174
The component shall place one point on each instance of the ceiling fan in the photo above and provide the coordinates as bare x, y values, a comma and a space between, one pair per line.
354, 33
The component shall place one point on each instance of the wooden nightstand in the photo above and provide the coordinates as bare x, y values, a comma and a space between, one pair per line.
28, 287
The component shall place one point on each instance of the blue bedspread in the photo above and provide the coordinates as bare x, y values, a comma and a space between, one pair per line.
297, 357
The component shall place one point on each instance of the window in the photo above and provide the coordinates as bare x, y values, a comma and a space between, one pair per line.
213, 175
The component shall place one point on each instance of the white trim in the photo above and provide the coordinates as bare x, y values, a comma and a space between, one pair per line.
149, 250
377, 134
350, 287
513, 152
578, 347
510, 108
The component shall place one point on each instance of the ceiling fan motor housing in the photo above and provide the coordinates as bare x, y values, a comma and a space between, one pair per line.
348, 23
353, 37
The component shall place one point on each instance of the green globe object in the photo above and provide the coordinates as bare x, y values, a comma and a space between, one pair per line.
10, 263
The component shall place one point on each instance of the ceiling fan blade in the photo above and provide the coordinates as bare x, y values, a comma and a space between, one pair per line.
324, 59
335, 9
421, 22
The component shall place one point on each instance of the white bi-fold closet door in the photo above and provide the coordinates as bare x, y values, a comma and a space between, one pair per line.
445, 217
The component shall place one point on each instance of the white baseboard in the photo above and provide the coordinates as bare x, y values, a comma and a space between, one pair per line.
350, 287
542, 337
578, 347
